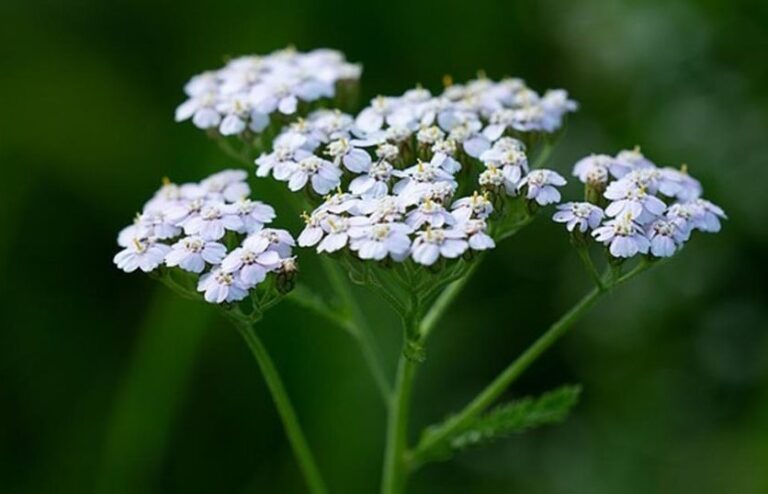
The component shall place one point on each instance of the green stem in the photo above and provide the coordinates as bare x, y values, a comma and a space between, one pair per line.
492, 392
591, 269
394, 471
304, 297
293, 430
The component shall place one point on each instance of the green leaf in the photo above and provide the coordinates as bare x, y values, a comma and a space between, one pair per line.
510, 418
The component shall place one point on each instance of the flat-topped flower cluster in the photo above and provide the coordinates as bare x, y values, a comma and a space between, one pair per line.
397, 166
210, 229
241, 96
636, 207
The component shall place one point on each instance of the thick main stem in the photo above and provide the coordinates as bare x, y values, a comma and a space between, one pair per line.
394, 471
285, 409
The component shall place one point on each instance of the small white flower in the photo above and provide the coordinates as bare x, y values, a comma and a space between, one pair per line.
313, 231
213, 221
277, 240
541, 186
219, 287
239, 115
248, 266
666, 237
635, 201
414, 178
429, 135
227, 185
287, 148
253, 214
699, 215
596, 168
477, 236
430, 244
191, 254
156, 224
374, 183
202, 109
381, 240
624, 237
581, 216
141, 254
429, 213
387, 152
354, 159
494, 178
322, 174
474, 206
336, 230
631, 160
373, 117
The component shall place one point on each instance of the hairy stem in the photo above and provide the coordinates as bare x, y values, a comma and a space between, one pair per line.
394, 471
287, 414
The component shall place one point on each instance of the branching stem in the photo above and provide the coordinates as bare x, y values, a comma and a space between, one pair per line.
492, 392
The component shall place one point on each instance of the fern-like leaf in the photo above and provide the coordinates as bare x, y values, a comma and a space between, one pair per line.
510, 418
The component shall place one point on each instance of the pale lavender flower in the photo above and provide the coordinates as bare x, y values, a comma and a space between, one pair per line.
249, 266
219, 287
596, 168
476, 231
277, 240
337, 230
156, 224
699, 214
541, 186
429, 213
141, 254
375, 182
581, 216
322, 174
629, 199
192, 253
354, 159
431, 244
623, 236
474, 206
666, 237
213, 221
287, 149
380, 240
313, 230
201, 108
253, 214
240, 115
226, 185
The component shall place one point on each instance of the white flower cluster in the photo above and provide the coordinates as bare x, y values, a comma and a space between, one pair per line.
247, 90
402, 160
648, 209
187, 226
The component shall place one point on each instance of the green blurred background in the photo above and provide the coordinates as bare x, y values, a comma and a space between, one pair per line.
110, 384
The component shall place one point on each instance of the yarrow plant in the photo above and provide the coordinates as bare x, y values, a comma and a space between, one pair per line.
404, 197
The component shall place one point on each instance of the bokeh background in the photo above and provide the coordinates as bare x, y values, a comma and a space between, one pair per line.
109, 384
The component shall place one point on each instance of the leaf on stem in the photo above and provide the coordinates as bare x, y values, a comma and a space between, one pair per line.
510, 418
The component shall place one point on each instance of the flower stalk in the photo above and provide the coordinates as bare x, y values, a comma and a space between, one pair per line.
293, 430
